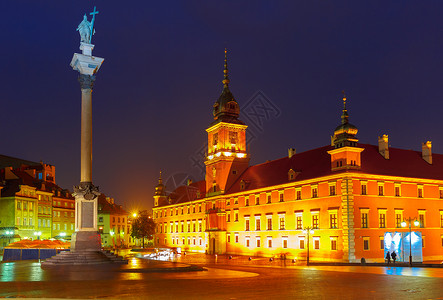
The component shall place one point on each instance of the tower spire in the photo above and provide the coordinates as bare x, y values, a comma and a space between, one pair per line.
225, 70
344, 116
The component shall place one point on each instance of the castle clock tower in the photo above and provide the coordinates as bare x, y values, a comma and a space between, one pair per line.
227, 157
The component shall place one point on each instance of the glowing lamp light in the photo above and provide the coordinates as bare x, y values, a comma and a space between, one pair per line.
63, 234
227, 153
134, 215
310, 231
241, 155
210, 157
111, 232
416, 223
218, 154
38, 233
403, 224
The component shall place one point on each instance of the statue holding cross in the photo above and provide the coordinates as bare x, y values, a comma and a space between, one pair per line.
86, 28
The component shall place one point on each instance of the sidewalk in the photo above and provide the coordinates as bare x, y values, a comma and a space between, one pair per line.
200, 258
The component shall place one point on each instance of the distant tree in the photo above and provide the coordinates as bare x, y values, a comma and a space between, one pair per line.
143, 226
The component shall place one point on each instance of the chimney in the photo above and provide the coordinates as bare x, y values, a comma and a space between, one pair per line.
291, 152
383, 146
426, 152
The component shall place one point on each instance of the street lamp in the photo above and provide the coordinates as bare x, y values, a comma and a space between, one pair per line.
9, 234
134, 215
38, 234
308, 230
403, 224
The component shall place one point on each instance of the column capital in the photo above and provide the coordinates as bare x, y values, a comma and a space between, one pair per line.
86, 81
86, 190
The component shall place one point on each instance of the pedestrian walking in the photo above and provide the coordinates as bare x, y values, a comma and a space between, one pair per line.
394, 256
388, 258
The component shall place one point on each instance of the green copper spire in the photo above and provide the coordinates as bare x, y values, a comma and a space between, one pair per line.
344, 116
225, 70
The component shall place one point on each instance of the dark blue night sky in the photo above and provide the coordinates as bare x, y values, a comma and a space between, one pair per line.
163, 69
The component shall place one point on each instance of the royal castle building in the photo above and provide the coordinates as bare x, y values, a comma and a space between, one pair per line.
341, 200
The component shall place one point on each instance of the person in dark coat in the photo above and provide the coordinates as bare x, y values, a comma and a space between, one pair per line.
394, 256
388, 257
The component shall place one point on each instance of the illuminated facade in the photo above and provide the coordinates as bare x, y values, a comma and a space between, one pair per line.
113, 223
350, 194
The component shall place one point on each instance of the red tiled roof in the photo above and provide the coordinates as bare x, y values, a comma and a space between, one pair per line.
185, 193
111, 208
317, 163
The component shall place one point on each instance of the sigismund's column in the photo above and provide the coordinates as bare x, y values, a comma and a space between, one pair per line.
86, 236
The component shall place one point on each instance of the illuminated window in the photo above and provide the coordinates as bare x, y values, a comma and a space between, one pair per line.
441, 218
228, 216
397, 190
333, 220
382, 243
257, 242
281, 197
182, 226
247, 241
420, 191
247, 224
299, 194
285, 242
235, 200
421, 218
189, 225
176, 211
53, 225
199, 208
236, 216
171, 211
172, 227
333, 243
269, 241
441, 193
332, 191
269, 198
257, 200
299, 220
236, 237
229, 238
166, 227
189, 240
314, 192
233, 137
215, 139
19, 205
423, 241
315, 220
364, 188
269, 222
382, 219
398, 218
301, 242
193, 209
316, 240
194, 226
365, 243
246, 201
18, 221
257, 223
281, 221
380, 190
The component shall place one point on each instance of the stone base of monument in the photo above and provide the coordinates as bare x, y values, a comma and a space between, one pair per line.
86, 241
79, 257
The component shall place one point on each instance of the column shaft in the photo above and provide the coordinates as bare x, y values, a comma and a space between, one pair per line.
86, 137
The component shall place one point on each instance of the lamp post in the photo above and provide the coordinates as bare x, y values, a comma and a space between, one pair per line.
403, 224
308, 230
9, 234
38, 234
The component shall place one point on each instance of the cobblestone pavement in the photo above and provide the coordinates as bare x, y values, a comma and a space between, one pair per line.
224, 278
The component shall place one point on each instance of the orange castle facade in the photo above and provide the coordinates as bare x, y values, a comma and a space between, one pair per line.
348, 195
